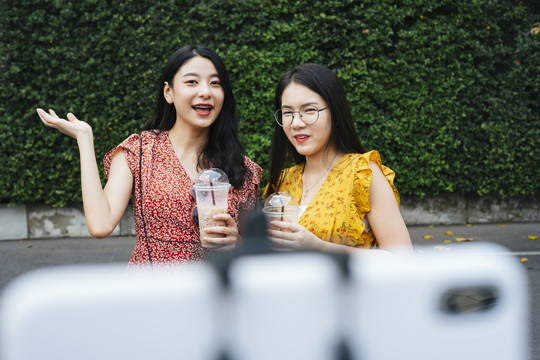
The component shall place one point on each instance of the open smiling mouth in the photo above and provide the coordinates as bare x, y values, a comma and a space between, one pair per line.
203, 107
203, 110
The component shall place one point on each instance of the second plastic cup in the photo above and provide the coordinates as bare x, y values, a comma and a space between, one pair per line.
281, 206
289, 213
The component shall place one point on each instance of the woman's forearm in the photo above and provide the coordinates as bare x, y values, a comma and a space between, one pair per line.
96, 207
103, 208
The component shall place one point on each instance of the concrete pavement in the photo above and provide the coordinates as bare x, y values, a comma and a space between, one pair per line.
19, 256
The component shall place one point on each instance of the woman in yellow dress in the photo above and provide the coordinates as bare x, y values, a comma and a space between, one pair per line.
347, 197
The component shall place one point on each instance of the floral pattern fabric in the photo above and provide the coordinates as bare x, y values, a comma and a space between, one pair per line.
168, 202
342, 202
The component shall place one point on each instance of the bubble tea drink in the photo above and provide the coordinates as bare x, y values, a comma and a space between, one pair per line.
281, 206
212, 196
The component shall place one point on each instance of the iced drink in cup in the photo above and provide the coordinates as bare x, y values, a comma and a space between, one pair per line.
212, 196
281, 206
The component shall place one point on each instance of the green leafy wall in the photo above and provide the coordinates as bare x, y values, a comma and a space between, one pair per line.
448, 91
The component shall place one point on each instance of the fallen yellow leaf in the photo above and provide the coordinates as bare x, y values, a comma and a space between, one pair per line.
463, 239
430, 226
532, 237
469, 225
524, 259
447, 241
428, 236
501, 226
448, 232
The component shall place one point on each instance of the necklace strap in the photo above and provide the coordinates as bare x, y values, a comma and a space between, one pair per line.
324, 174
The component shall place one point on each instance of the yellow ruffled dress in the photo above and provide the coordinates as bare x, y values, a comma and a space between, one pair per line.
336, 212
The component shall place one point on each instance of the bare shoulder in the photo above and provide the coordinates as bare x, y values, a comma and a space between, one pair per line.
375, 169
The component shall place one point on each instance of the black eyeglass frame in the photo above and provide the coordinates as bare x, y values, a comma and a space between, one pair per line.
277, 116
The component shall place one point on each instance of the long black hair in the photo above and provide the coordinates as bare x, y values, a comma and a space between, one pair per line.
343, 136
223, 149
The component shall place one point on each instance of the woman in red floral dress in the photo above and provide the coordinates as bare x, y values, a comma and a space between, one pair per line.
194, 124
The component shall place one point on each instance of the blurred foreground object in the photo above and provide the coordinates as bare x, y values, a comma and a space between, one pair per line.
468, 303
102, 312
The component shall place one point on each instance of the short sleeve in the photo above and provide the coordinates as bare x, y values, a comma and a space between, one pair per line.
131, 148
362, 180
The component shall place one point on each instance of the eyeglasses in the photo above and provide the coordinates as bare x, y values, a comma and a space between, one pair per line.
309, 114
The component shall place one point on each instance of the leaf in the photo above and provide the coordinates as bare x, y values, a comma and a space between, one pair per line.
532, 237
428, 236
501, 226
524, 259
447, 241
448, 232
460, 239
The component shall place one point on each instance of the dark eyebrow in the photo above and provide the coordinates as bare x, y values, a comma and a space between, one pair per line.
306, 104
197, 75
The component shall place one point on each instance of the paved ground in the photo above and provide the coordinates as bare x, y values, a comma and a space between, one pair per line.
522, 240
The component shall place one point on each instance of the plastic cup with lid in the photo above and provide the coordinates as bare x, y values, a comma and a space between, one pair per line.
212, 196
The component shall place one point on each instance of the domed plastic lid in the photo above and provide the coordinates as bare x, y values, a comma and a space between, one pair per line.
212, 176
280, 199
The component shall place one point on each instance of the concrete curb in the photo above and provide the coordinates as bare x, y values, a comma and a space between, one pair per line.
37, 221
451, 209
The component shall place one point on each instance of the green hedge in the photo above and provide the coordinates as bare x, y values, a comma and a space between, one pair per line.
448, 91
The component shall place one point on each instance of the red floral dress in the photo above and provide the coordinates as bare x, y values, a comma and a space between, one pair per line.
168, 202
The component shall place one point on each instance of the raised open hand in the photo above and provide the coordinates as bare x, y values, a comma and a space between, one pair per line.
72, 126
